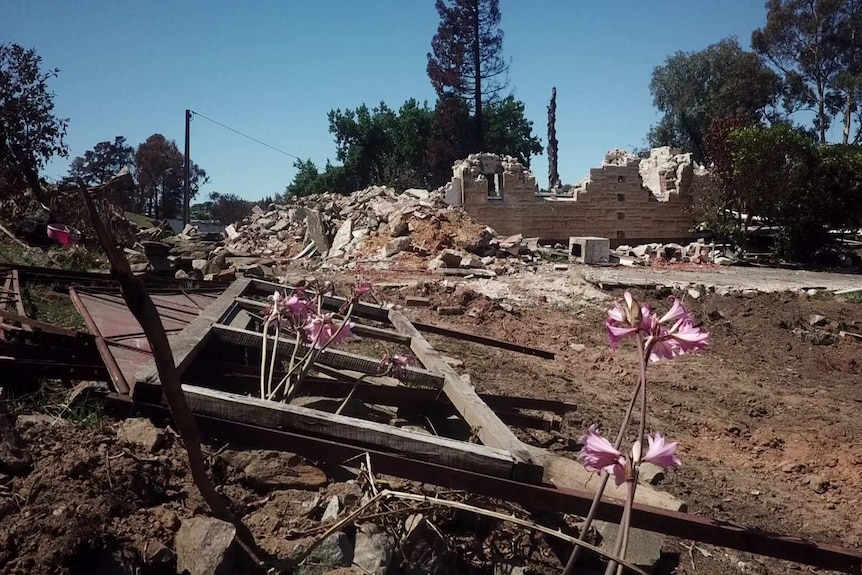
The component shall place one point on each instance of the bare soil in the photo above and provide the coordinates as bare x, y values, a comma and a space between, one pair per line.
767, 420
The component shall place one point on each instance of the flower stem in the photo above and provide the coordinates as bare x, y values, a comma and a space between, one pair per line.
625, 523
272, 362
265, 336
570, 565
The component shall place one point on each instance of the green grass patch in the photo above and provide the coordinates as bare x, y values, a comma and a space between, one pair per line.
44, 304
56, 400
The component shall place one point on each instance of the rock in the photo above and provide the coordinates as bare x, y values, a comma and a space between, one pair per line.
644, 547
199, 265
330, 514
414, 301
450, 258
395, 246
204, 546
15, 459
231, 232
181, 275
227, 275
577, 347
816, 319
425, 551
650, 473
560, 267
281, 224
373, 550
418, 193
472, 262
315, 229
141, 432
450, 310
271, 470
506, 569
693, 293
398, 225
333, 552
258, 271
343, 236
818, 483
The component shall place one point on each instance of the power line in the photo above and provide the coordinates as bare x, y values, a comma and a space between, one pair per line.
246, 136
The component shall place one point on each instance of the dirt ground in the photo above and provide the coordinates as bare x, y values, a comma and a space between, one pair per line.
767, 420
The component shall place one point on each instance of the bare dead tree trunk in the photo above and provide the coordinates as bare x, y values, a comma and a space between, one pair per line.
142, 307
477, 62
553, 173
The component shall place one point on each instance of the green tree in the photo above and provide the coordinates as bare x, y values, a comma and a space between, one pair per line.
103, 162
228, 208
849, 80
466, 57
693, 89
801, 39
30, 133
776, 166
159, 171
509, 132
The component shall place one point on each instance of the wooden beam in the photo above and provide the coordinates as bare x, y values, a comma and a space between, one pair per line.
487, 426
358, 328
381, 314
331, 357
276, 415
187, 344
40, 325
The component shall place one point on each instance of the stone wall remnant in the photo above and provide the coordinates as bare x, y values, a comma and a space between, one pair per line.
611, 203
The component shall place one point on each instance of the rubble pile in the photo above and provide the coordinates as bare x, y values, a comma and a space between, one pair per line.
700, 253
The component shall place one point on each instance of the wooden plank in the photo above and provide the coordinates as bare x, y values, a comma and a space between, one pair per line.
19, 301
488, 427
189, 341
275, 415
381, 314
358, 328
331, 357
34, 323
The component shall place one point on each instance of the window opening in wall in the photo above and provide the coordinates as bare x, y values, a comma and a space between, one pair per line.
495, 188
621, 215
577, 251
621, 197
621, 234
621, 179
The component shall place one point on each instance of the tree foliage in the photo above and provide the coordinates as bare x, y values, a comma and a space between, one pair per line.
30, 133
159, 171
693, 89
466, 57
413, 147
228, 208
816, 46
103, 162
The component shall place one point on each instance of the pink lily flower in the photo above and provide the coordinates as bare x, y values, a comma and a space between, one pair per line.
688, 338
297, 306
597, 453
661, 453
676, 312
322, 330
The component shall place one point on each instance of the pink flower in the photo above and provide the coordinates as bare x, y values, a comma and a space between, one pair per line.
361, 288
296, 305
624, 319
687, 337
322, 331
676, 312
597, 453
661, 453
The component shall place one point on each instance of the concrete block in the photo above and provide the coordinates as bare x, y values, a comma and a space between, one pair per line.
589, 250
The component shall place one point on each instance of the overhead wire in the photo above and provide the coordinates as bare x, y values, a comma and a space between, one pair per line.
245, 135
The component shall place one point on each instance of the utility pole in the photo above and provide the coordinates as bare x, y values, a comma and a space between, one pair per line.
186, 171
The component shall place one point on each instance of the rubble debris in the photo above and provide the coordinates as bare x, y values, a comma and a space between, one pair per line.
373, 549
204, 546
589, 250
141, 432
15, 459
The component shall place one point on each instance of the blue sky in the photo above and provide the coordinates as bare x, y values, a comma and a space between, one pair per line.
273, 69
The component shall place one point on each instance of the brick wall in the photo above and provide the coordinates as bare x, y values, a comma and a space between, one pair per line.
612, 204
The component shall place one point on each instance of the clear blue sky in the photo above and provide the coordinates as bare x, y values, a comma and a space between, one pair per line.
273, 69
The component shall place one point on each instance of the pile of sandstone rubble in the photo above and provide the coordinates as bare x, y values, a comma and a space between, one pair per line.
374, 225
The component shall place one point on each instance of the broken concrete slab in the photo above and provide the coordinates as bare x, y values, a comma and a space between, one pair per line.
141, 432
373, 549
343, 236
644, 547
395, 246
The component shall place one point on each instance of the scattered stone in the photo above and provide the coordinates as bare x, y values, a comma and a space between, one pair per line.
394, 246
415, 301
204, 546
650, 473
693, 293
333, 552
644, 547
344, 235
816, 319
15, 459
450, 258
199, 265
450, 310
272, 470
578, 347
141, 432
560, 267
181, 275
330, 514
818, 483
373, 550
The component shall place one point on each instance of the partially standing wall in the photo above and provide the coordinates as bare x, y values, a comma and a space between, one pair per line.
612, 203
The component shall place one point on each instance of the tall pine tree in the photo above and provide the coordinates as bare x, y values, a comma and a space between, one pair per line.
466, 58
